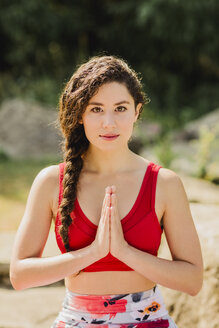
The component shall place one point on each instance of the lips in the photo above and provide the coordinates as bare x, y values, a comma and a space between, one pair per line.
109, 135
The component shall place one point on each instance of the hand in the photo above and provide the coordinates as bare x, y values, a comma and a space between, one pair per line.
102, 238
117, 241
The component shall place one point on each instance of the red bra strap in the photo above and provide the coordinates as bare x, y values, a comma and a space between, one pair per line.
155, 170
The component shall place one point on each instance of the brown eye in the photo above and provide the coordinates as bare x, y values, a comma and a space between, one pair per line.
122, 107
93, 109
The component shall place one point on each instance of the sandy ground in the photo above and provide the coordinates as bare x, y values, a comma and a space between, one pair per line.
29, 308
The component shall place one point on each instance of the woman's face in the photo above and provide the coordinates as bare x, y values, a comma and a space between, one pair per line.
110, 111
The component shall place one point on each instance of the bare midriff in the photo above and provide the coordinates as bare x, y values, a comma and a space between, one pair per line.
108, 282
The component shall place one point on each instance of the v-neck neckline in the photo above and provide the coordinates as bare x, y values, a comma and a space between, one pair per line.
132, 210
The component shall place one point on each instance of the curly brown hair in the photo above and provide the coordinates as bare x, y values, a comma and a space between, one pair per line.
82, 86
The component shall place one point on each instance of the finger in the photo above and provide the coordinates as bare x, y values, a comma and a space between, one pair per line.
113, 198
105, 206
105, 202
113, 188
112, 215
114, 210
106, 218
108, 189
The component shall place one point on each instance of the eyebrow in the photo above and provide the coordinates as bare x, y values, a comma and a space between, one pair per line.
119, 103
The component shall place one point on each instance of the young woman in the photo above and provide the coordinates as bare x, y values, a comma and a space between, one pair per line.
110, 207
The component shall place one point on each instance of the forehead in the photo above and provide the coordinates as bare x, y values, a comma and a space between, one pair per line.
112, 90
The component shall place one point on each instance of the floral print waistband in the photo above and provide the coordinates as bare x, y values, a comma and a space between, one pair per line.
141, 309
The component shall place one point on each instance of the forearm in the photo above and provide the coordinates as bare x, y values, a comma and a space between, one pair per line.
33, 272
177, 274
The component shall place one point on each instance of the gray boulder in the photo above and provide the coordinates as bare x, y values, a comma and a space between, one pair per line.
27, 130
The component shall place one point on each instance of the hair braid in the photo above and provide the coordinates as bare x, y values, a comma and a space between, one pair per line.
74, 165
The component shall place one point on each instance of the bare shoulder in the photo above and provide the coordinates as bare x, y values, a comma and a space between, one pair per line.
167, 174
48, 177
175, 194
170, 186
169, 179
46, 183
49, 173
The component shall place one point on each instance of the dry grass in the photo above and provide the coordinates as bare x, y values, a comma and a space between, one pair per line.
16, 179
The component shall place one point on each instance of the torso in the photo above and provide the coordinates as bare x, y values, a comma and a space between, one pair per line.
91, 191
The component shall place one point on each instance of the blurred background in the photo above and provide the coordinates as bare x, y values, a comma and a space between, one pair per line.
174, 45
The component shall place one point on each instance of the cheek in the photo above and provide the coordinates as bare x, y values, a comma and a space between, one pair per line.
126, 122
91, 129
90, 123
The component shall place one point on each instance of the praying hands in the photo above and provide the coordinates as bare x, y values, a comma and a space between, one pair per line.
109, 236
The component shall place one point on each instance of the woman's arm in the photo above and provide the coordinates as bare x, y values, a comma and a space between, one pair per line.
27, 268
185, 271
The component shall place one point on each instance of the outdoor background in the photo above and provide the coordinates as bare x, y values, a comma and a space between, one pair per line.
174, 46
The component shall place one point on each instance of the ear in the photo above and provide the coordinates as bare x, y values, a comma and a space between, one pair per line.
137, 110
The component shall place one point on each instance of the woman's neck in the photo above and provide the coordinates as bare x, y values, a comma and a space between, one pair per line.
106, 164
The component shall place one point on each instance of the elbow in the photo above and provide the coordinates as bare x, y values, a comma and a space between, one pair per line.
14, 283
194, 291
14, 279
197, 283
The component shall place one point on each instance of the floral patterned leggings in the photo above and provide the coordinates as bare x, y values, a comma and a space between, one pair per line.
138, 310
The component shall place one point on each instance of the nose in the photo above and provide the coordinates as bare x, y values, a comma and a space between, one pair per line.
109, 121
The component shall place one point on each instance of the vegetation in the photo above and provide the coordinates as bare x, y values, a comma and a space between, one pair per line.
172, 43
207, 156
17, 176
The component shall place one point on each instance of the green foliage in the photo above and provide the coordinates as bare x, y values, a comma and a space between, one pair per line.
44, 89
3, 156
164, 152
172, 44
17, 176
207, 150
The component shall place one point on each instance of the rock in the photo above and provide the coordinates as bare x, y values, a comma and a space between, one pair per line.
200, 191
191, 130
193, 150
27, 130
31, 308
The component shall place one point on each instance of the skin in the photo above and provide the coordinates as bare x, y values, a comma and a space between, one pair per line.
107, 164
104, 157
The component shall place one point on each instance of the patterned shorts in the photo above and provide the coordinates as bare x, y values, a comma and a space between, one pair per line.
138, 310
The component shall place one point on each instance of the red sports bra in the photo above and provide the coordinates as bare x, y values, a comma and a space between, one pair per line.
141, 226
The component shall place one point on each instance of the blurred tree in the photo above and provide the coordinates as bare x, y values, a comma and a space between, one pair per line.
173, 43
